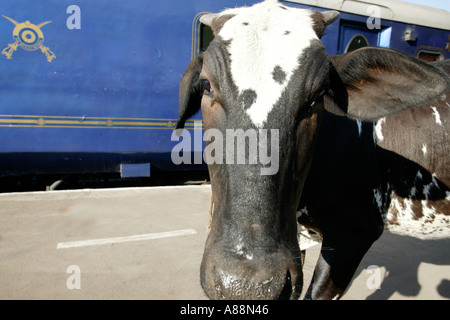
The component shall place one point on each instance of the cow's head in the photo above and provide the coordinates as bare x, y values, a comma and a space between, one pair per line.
267, 76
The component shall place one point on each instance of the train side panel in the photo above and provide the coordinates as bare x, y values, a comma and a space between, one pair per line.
92, 86
100, 78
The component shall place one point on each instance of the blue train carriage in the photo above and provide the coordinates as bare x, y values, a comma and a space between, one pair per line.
414, 29
92, 86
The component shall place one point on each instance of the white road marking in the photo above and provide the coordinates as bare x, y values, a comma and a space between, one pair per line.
92, 193
140, 237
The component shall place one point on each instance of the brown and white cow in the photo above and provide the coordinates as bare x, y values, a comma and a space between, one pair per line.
267, 69
365, 176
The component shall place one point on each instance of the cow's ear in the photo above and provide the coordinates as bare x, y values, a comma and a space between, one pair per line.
371, 83
190, 92
215, 21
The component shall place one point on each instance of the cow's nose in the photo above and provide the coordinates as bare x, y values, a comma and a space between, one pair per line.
252, 287
272, 277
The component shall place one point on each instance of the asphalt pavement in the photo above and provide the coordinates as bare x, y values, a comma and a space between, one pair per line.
147, 243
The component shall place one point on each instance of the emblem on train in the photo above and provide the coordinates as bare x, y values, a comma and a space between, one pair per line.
29, 37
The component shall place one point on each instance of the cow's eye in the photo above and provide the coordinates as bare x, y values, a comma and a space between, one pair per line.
206, 86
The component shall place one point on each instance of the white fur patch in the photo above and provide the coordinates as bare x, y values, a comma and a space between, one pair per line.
437, 116
359, 124
432, 224
239, 249
428, 187
378, 130
378, 199
424, 149
264, 37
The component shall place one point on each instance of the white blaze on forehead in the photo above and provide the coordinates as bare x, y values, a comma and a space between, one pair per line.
264, 38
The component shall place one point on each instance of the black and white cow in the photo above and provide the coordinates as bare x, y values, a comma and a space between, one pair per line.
267, 69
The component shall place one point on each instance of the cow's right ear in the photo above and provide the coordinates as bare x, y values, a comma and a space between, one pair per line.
191, 92
371, 83
215, 21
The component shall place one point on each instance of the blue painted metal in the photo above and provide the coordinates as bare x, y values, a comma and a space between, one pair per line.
133, 170
110, 94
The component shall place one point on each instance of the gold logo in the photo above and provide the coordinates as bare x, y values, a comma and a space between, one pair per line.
29, 37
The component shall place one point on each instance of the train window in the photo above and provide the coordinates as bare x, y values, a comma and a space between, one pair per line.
202, 36
358, 41
206, 36
430, 55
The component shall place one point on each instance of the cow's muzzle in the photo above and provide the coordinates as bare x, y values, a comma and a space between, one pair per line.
257, 275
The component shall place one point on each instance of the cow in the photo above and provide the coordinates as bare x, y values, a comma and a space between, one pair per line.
267, 69
366, 176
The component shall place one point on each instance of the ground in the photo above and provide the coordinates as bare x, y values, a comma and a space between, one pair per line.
37, 227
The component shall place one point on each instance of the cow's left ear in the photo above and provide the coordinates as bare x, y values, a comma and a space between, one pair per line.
191, 92
379, 82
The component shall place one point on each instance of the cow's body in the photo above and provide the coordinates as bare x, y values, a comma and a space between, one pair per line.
414, 147
267, 70
365, 176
